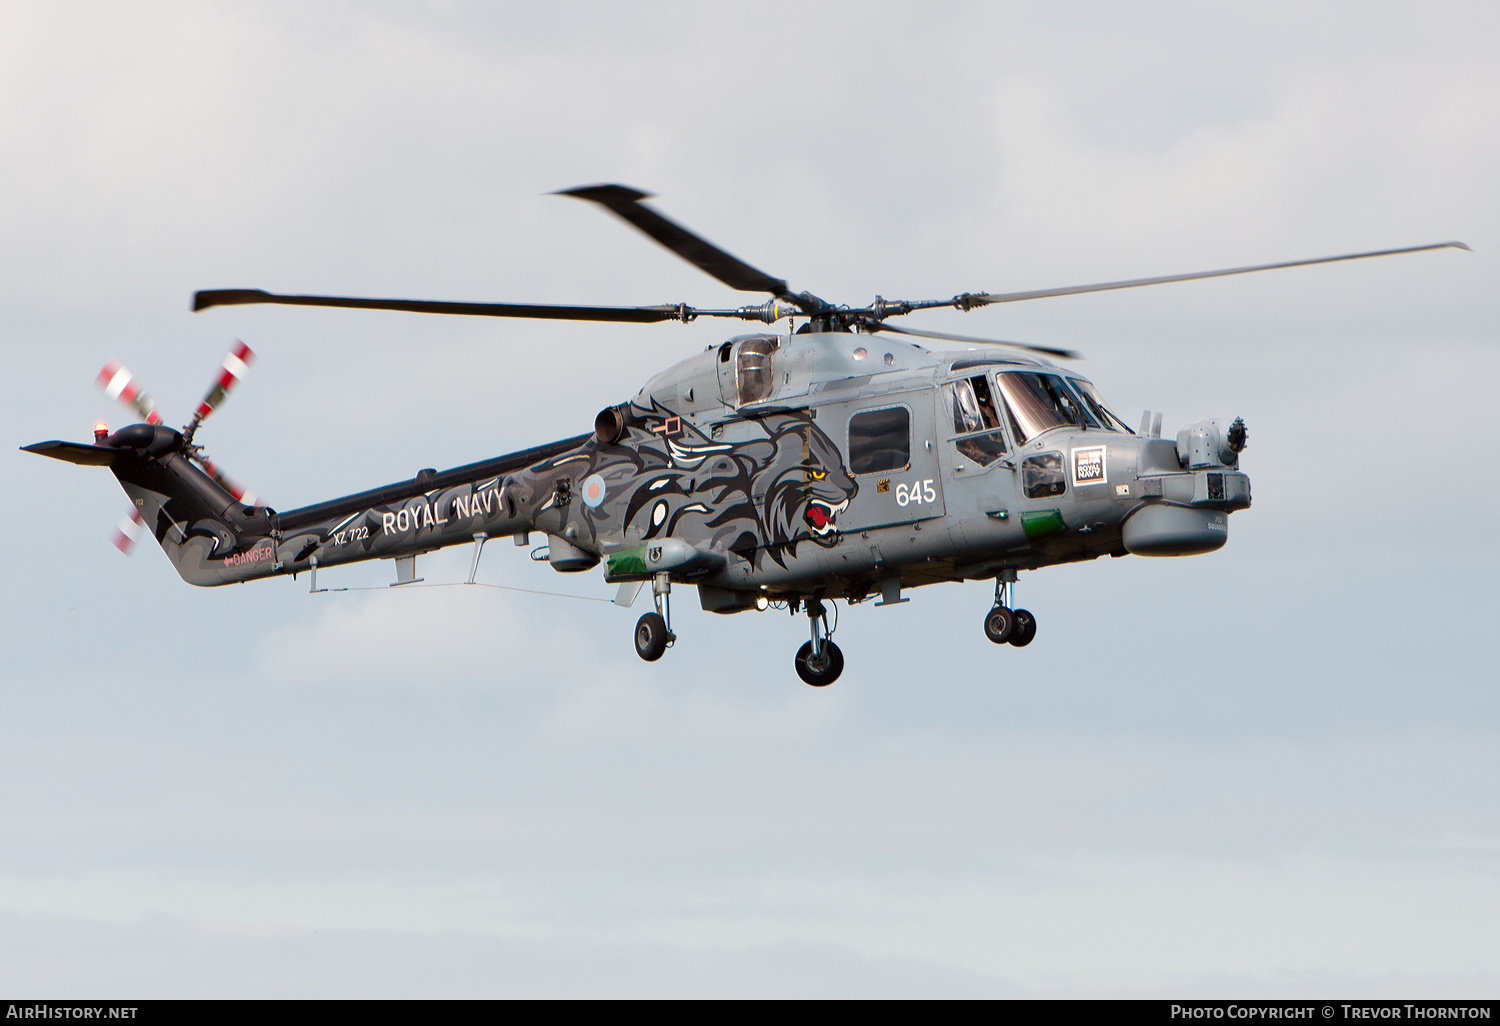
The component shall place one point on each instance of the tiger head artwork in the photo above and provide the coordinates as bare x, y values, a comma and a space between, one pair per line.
759, 498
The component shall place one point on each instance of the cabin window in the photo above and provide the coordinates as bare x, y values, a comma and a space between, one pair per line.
976, 421
880, 440
1042, 475
753, 377
1041, 402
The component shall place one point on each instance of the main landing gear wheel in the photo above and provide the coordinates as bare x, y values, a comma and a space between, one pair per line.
1023, 628
822, 671
999, 624
823, 668
653, 632
1004, 625
651, 637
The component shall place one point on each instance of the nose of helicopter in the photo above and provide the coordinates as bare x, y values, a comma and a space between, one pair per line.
1187, 490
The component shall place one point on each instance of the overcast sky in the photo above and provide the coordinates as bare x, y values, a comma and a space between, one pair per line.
1271, 770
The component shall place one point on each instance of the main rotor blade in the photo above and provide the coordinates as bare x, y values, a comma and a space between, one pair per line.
984, 299
637, 314
624, 202
1067, 354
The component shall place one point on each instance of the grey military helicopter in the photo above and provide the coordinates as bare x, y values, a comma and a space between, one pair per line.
839, 460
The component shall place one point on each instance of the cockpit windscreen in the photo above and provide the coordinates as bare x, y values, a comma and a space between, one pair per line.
1041, 402
1090, 396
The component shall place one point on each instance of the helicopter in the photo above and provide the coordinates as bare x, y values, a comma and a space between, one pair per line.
839, 460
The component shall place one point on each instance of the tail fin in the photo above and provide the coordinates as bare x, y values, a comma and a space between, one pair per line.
210, 537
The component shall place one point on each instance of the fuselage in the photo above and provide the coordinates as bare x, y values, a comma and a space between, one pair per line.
769, 466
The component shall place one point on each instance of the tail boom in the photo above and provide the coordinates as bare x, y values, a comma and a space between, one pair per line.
213, 538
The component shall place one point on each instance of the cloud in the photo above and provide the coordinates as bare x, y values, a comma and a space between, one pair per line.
416, 638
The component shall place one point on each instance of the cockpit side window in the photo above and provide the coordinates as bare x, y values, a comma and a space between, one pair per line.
1041, 402
976, 421
753, 377
973, 408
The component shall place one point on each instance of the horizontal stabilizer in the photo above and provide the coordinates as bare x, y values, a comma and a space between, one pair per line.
76, 452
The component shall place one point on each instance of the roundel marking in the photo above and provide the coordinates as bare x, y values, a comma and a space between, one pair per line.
593, 490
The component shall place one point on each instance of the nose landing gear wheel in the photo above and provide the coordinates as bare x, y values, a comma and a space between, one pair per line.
1023, 629
999, 623
823, 671
651, 637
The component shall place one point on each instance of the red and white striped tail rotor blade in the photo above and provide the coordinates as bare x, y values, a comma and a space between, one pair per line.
235, 365
129, 531
119, 383
244, 496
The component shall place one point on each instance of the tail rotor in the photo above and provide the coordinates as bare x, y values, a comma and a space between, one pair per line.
129, 531
236, 364
120, 384
243, 495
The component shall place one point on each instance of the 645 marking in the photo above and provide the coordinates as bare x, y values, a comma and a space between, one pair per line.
916, 492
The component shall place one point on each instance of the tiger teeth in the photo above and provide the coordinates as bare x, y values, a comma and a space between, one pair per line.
833, 512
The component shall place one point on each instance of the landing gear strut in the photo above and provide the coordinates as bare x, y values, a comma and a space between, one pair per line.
819, 661
653, 632
1003, 624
